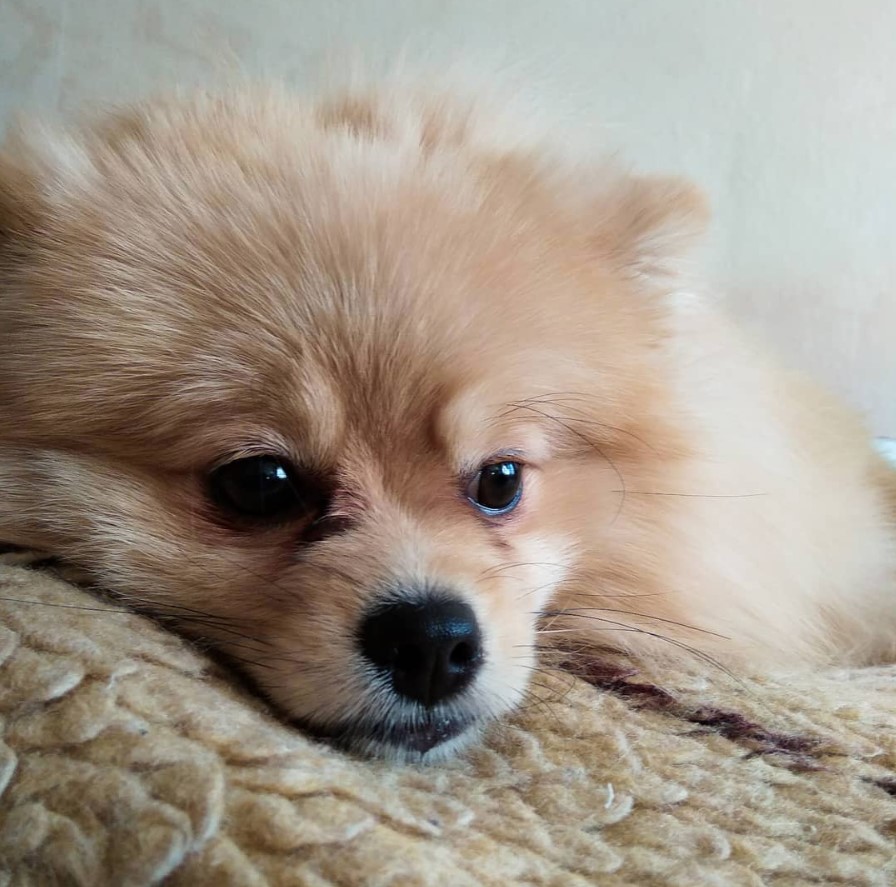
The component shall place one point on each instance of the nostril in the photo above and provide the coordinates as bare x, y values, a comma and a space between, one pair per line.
464, 654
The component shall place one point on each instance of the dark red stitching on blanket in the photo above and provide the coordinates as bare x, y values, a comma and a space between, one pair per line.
792, 750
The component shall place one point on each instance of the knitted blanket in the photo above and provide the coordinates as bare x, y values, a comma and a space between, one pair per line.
129, 758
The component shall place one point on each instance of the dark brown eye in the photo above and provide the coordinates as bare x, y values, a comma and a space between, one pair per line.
266, 488
497, 488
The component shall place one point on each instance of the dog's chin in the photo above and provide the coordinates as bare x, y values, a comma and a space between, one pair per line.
428, 739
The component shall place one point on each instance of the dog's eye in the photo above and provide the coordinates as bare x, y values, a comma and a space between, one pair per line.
263, 487
497, 488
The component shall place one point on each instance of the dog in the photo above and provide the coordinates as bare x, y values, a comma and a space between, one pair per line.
379, 402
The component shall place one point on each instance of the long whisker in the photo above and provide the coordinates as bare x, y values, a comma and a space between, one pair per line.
575, 611
694, 651
493, 572
622, 595
555, 399
585, 439
570, 417
114, 610
692, 495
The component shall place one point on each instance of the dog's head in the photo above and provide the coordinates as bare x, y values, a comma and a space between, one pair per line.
338, 388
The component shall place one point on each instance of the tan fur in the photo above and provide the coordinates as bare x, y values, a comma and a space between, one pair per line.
378, 288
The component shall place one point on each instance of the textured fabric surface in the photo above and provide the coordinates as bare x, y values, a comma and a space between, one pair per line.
128, 758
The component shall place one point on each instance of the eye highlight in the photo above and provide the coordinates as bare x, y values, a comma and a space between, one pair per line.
497, 488
264, 488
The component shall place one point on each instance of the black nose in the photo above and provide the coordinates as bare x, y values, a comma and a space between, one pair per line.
431, 648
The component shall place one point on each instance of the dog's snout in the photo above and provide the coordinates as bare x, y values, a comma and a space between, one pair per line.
432, 649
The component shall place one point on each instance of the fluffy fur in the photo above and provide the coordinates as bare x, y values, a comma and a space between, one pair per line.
382, 290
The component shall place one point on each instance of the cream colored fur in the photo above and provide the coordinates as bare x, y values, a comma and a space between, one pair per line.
383, 290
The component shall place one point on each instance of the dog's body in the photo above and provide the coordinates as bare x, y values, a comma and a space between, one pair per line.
455, 379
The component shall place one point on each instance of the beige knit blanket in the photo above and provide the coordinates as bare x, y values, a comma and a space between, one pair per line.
127, 758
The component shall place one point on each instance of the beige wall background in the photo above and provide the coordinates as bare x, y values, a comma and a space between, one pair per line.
784, 110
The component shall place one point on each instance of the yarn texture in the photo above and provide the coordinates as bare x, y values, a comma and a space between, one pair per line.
127, 757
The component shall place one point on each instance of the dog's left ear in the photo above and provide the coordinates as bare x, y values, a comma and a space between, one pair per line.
14, 217
18, 219
39, 166
21, 197
648, 226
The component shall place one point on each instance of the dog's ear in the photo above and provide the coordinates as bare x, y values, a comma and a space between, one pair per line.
648, 226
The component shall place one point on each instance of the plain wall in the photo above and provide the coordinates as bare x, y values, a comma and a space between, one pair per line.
784, 110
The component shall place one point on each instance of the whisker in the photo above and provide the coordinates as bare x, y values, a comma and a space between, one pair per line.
692, 495
493, 572
620, 595
576, 611
599, 450
694, 651
579, 631
534, 590
243, 660
572, 397
115, 610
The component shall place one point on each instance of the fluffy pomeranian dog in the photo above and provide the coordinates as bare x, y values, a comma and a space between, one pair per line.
377, 403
